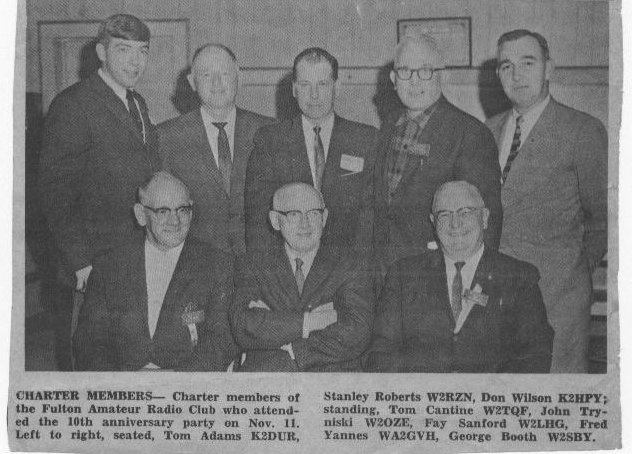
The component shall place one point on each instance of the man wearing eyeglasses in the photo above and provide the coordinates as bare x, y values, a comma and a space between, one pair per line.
161, 303
317, 147
301, 306
554, 191
421, 146
463, 308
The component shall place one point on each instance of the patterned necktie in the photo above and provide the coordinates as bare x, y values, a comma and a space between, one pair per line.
513, 151
457, 290
134, 112
319, 157
299, 276
223, 155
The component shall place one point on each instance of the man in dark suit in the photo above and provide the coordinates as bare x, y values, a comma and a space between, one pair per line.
319, 148
465, 308
301, 306
554, 192
161, 303
209, 148
421, 146
98, 147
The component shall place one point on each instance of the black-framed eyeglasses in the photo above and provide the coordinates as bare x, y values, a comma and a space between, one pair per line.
295, 216
163, 213
405, 73
445, 216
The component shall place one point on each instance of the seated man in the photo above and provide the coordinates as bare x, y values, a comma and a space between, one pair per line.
301, 307
160, 303
464, 308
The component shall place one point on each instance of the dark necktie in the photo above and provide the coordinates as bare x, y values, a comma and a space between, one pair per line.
513, 151
134, 112
299, 276
319, 158
223, 155
457, 290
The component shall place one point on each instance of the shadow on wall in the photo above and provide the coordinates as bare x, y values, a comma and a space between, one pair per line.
490, 92
184, 98
284, 101
88, 60
385, 98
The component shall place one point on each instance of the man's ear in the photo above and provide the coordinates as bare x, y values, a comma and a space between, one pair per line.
191, 80
100, 48
548, 69
393, 77
140, 215
325, 216
432, 220
274, 220
294, 90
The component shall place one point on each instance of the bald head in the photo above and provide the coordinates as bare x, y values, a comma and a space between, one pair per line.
462, 189
161, 183
293, 195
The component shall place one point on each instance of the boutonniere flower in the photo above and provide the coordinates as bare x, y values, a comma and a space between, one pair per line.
476, 296
191, 317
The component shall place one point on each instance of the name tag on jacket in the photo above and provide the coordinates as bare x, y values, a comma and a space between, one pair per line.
350, 163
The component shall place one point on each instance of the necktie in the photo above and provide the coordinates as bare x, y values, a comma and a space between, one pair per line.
319, 157
299, 276
513, 151
134, 112
223, 155
457, 290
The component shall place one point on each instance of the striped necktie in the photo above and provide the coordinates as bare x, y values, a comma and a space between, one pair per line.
513, 151
457, 290
319, 158
299, 276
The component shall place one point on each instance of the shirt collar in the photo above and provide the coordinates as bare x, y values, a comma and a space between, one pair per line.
118, 89
229, 120
307, 258
471, 262
173, 253
534, 112
418, 117
326, 126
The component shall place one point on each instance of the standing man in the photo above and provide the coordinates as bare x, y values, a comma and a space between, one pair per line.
463, 308
319, 148
554, 190
161, 303
209, 148
301, 306
98, 146
421, 146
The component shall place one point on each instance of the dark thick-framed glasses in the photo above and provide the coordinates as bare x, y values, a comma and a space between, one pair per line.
295, 216
462, 214
163, 213
405, 73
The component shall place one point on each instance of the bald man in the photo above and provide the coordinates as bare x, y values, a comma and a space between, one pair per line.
161, 303
301, 306
421, 146
209, 148
463, 307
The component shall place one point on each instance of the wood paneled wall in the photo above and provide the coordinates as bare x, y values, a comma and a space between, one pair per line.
361, 34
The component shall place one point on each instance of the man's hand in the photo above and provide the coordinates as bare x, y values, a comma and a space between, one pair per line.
258, 305
319, 318
82, 278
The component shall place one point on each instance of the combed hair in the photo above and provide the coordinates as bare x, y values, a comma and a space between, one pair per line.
160, 175
226, 49
124, 26
521, 33
316, 55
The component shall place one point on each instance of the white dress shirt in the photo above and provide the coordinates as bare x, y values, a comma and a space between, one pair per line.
159, 267
308, 259
326, 127
529, 119
212, 132
467, 272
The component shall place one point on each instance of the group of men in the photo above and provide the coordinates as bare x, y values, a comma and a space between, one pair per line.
318, 243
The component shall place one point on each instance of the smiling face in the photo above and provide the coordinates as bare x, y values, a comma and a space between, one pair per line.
170, 230
524, 72
460, 219
124, 60
416, 94
215, 77
303, 234
315, 89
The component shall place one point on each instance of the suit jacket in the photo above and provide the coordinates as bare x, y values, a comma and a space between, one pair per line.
461, 148
414, 325
186, 153
555, 215
333, 277
280, 157
113, 330
92, 161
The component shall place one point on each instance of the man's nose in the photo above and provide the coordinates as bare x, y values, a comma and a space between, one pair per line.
313, 92
216, 79
173, 218
455, 220
303, 222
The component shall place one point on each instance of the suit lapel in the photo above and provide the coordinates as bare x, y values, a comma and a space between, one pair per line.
279, 271
242, 145
301, 171
483, 278
333, 154
436, 287
136, 279
324, 264
116, 106
498, 128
